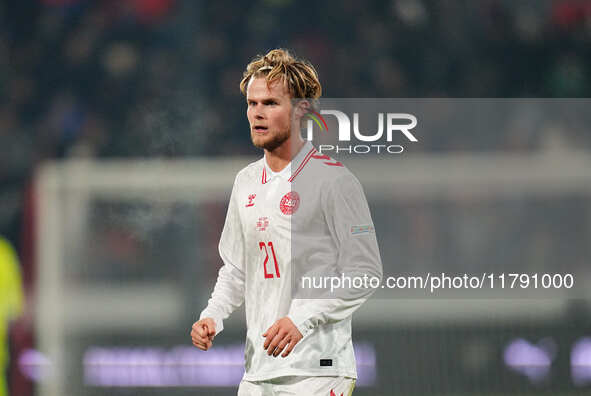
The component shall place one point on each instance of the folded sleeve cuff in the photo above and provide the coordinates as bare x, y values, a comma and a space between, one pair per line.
219, 323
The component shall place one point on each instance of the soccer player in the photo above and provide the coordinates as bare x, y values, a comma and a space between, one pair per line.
292, 213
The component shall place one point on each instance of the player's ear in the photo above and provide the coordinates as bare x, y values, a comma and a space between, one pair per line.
302, 108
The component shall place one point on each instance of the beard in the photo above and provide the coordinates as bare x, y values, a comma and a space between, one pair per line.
270, 143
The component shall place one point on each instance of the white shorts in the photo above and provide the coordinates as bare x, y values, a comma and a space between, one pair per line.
297, 385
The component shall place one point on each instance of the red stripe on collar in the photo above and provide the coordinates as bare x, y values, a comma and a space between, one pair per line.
304, 162
264, 178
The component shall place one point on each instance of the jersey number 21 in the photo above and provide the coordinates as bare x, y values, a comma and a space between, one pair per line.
263, 245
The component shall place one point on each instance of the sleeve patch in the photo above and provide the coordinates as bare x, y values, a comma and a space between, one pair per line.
362, 229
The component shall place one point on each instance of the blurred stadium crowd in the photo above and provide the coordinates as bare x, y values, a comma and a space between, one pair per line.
119, 78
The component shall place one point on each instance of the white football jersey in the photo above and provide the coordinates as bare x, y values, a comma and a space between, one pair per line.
310, 219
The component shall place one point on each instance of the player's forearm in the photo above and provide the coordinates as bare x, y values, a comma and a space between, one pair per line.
308, 315
358, 263
228, 294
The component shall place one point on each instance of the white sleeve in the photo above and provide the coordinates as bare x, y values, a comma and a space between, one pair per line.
228, 293
351, 227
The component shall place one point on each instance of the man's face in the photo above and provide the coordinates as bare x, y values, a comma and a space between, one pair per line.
269, 113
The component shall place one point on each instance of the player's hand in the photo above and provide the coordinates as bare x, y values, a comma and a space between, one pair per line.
202, 333
283, 333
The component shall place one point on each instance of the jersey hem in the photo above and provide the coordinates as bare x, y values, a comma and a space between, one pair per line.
303, 373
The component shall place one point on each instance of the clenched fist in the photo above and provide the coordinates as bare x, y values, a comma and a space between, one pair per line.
202, 333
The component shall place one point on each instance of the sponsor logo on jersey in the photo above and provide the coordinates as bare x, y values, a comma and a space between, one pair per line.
290, 203
262, 223
250, 200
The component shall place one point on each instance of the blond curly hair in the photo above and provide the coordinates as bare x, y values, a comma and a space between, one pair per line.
299, 75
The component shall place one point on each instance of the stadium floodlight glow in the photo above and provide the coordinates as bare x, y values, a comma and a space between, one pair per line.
580, 361
34, 365
531, 360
